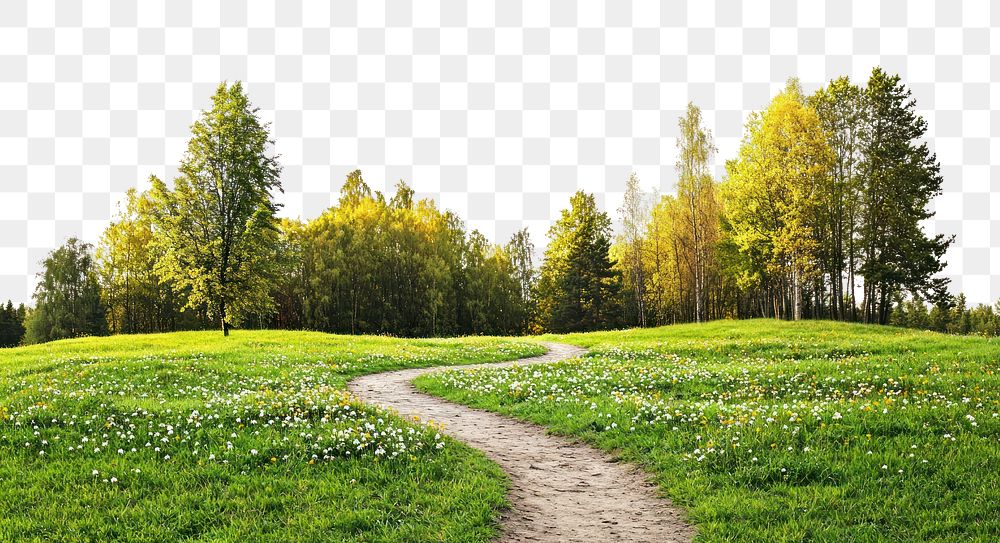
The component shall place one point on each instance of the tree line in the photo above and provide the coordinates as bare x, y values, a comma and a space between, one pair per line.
818, 216
209, 250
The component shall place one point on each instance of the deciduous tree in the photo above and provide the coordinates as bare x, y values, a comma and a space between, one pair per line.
216, 228
630, 251
68, 297
137, 298
772, 197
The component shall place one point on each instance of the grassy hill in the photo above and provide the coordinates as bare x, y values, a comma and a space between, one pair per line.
763, 430
780, 431
196, 437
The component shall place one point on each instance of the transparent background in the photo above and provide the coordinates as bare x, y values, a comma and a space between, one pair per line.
498, 110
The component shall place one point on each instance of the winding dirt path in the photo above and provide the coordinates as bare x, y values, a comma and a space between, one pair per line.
562, 491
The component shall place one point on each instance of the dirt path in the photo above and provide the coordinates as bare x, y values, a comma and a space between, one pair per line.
561, 491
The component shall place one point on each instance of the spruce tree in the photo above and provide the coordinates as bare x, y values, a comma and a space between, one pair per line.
578, 288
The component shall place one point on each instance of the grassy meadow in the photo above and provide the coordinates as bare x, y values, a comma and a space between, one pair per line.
780, 431
195, 437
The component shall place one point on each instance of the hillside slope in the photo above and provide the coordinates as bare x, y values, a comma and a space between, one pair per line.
780, 431
195, 437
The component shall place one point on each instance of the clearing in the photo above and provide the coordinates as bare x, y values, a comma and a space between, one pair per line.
778, 431
195, 437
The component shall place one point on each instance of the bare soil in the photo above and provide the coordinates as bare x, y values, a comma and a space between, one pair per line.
561, 490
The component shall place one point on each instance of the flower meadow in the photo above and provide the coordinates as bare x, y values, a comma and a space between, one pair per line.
192, 435
777, 431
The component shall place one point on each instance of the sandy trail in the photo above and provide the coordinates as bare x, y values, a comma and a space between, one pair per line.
562, 491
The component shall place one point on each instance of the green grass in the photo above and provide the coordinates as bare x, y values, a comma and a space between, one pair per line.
196, 437
777, 431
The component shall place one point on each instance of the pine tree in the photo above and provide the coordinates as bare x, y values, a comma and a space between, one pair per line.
11, 325
900, 176
578, 288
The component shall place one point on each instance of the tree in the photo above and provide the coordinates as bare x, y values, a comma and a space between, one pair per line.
959, 322
940, 315
772, 196
521, 252
900, 177
290, 288
634, 214
841, 110
492, 303
68, 297
216, 229
667, 273
137, 298
11, 324
696, 190
400, 266
578, 288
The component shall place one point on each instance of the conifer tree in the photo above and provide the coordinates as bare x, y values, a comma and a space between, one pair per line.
900, 175
578, 289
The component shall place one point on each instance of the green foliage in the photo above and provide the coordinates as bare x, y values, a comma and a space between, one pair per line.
137, 297
949, 314
682, 236
522, 251
402, 267
578, 287
900, 176
841, 110
68, 297
820, 215
825, 200
699, 214
629, 250
11, 324
772, 197
194, 437
216, 230
780, 431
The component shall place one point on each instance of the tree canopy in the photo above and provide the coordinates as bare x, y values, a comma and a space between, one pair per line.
217, 230
400, 266
68, 297
773, 195
12, 324
578, 287
818, 216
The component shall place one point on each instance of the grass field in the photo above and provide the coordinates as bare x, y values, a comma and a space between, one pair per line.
196, 437
777, 431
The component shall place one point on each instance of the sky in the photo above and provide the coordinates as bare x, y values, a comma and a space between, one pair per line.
497, 110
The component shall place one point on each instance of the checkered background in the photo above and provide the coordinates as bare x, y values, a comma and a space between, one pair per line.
499, 110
